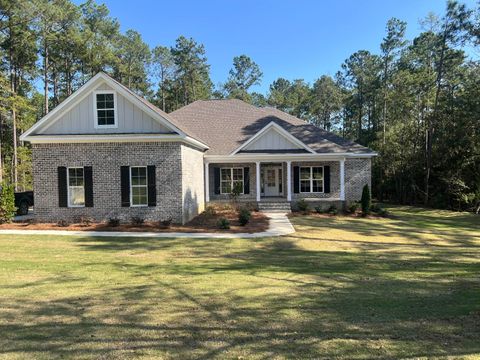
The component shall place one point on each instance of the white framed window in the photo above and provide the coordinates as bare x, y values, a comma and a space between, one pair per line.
138, 186
104, 103
311, 179
76, 187
229, 178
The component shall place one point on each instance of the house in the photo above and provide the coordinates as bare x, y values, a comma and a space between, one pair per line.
106, 152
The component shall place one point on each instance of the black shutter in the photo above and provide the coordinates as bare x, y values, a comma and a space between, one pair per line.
152, 186
296, 179
326, 179
88, 181
62, 186
125, 185
246, 180
216, 180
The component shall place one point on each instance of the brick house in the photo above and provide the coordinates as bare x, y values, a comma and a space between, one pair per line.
106, 152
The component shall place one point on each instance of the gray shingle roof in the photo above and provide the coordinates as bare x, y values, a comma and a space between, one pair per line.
226, 124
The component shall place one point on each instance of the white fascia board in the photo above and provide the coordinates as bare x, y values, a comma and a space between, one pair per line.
284, 157
280, 130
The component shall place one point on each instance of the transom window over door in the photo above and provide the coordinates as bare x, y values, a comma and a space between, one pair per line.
230, 178
311, 179
105, 112
76, 187
138, 186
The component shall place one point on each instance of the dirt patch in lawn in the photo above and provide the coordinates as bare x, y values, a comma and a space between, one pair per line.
205, 222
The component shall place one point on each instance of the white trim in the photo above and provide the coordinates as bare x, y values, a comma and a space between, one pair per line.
207, 183
284, 157
289, 180
257, 170
231, 168
310, 179
95, 110
280, 130
131, 186
102, 138
69, 204
342, 179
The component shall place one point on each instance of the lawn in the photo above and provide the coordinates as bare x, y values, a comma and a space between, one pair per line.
404, 287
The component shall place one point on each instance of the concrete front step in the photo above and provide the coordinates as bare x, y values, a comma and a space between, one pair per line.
274, 206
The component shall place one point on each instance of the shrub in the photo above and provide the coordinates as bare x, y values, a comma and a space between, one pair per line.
319, 209
86, 221
353, 207
165, 224
302, 205
136, 220
375, 208
210, 211
332, 210
7, 203
62, 223
113, 222
244, 216
223, 223
366, 201
383, 212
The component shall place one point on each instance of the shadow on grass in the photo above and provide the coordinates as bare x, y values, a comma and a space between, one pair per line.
267, 298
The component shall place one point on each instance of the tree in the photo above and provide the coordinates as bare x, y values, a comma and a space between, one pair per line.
292, 97
192, 73
326, 102
244, 74
163, 69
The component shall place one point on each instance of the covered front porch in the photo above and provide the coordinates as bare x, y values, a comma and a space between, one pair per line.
275, 178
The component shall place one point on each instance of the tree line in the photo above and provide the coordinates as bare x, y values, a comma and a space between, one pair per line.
415, 102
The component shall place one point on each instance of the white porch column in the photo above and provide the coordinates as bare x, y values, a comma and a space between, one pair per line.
342, 179
257, 177
207, 183
289, 181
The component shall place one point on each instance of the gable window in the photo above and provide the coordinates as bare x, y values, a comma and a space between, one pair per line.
230, 178
105, 111
76, 187
138, 186
311, 179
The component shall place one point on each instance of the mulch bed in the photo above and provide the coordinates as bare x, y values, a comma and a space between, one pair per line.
202, 223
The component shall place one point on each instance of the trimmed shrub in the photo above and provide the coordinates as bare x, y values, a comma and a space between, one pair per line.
366, 201
210, 211
62, 223
136, 220
332, 210
353, 207
223, 223
113, 222
319, 209
165, 224
7, 203
302, 205
86, 221
244, 216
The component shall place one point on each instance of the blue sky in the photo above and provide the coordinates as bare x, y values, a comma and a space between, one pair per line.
300, 39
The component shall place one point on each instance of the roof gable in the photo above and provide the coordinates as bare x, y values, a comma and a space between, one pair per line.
272, 138
75, 115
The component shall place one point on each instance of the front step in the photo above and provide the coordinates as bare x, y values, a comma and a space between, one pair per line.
274, 206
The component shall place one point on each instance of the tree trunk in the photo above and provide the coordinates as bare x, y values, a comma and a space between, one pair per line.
45, 75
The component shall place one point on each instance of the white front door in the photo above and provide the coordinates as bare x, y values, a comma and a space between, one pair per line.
272, 181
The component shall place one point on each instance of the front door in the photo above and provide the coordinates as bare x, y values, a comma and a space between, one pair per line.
272, 181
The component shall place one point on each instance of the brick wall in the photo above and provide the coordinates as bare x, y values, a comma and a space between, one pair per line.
193, 186
358, 172
106, 160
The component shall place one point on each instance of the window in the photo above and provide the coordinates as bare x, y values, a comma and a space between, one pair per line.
105, 114
76, 187
230, 178
311, 179
138, 186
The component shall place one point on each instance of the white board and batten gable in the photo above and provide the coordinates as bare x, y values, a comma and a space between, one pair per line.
130, 118
272, 137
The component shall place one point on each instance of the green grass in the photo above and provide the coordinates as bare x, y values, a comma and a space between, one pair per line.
405, 287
